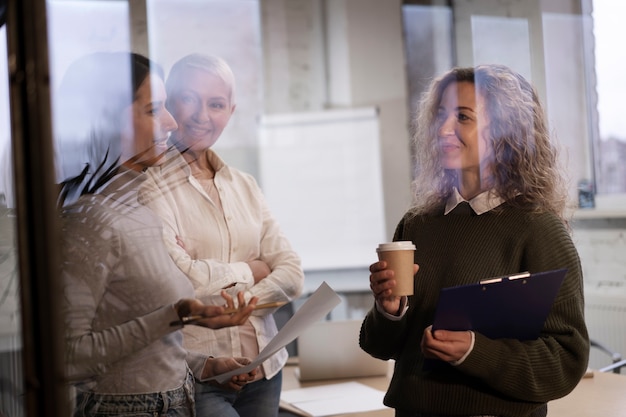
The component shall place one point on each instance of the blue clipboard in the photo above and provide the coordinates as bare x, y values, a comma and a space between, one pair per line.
512, 307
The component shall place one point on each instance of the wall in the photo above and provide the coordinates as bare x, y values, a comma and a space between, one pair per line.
359, 43
601, 244
294, 56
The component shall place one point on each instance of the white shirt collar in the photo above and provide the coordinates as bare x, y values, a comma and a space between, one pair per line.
482, 203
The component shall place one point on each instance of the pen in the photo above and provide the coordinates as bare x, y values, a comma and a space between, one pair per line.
274, 304
193, 319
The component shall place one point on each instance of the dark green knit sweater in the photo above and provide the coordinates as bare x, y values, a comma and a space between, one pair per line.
503, 377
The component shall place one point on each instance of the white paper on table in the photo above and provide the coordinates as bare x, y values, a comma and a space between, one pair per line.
327, 400
319, 304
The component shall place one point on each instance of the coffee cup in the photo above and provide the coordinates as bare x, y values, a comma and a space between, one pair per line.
399, 256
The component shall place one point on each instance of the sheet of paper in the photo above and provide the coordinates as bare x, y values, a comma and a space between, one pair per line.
328, 400
318, 305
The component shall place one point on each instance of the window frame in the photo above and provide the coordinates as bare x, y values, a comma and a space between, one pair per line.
45, 392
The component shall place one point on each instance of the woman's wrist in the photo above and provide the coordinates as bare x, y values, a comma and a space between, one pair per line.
182, 308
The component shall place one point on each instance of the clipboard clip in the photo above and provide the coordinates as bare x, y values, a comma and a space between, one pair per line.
506, 277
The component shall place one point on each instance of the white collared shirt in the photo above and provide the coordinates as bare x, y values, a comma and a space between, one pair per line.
482, 203
219, 241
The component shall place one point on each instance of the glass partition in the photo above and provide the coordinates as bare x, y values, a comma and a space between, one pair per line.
325, 94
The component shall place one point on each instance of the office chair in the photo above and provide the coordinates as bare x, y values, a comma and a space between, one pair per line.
616, 358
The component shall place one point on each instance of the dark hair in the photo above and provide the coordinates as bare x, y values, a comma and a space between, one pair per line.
88, 105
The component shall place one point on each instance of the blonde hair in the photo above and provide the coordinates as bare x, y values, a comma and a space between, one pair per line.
210, 64
525, 166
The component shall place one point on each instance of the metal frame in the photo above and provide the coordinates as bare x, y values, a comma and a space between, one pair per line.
616, 358
37, 225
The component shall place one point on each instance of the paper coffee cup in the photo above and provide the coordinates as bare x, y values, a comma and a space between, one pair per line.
400, 258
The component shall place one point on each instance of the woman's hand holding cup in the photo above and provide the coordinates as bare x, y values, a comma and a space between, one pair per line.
391, 277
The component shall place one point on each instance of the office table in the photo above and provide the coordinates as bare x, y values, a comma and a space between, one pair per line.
602, 395
290, 381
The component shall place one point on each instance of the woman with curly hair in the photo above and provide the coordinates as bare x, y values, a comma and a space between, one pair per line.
489, 201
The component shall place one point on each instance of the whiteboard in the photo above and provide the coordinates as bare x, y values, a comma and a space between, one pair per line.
322, 178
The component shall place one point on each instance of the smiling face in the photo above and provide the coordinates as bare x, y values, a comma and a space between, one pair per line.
202, 106
146, 125
463, 129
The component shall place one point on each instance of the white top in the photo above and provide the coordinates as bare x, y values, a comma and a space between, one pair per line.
218, 243
119, 289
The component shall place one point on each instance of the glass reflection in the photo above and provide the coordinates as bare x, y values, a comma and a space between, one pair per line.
124, 299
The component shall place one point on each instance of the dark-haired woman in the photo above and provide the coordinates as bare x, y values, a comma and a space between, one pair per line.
123, 297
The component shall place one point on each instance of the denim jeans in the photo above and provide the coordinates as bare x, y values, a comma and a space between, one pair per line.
178, 402
256, 399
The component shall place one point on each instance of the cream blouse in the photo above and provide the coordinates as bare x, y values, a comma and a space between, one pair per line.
218, 243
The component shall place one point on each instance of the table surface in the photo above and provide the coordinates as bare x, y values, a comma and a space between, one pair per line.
603, 394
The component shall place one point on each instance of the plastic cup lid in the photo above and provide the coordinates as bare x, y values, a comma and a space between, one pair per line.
398, 245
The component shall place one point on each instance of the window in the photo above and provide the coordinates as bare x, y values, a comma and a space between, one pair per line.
610, 145
573, 64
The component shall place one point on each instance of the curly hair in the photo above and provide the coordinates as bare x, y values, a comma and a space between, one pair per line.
524, 166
